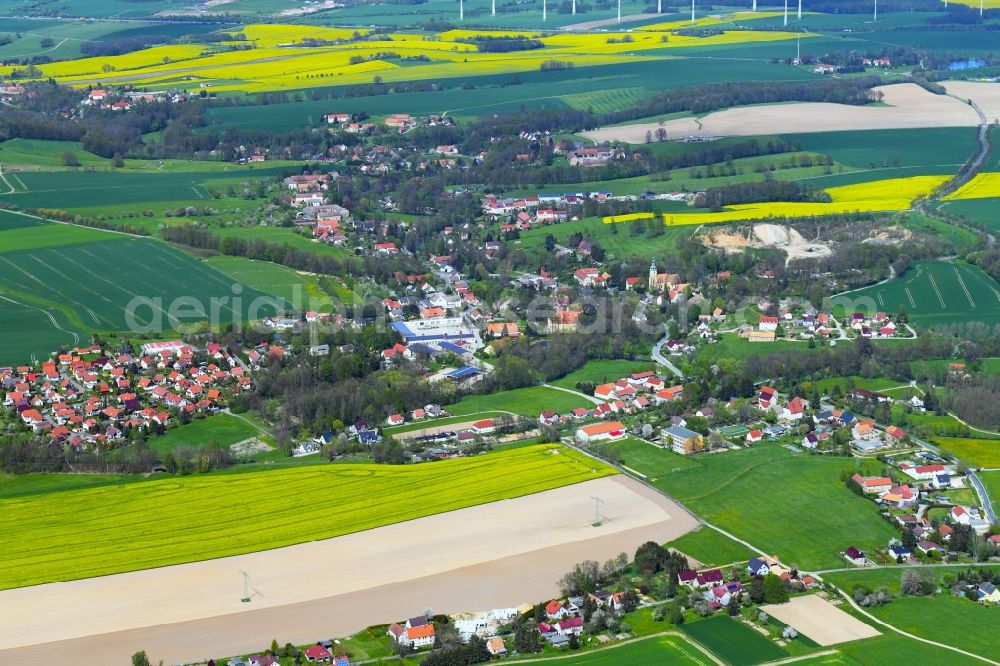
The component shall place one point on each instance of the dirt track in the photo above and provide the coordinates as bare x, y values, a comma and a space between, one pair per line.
495, 555
908, 106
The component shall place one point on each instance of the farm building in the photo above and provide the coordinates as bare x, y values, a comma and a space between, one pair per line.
600, 432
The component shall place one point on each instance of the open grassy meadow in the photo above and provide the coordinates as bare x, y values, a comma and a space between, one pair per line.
980, 210
652, 651
285, 283
218, 429
806, 505
97, 531
602, 371
530, 401
943, 619
976, 452
648, 459
711, 548
59, 282
734, 642
616, 240
931, 292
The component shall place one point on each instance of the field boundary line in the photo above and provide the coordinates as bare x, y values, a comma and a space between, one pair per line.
907, 634
937, 291
671, 632
55, 324
800, 657
961, 282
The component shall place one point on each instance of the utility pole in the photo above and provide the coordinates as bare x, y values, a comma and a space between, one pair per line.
246, 587
598, 502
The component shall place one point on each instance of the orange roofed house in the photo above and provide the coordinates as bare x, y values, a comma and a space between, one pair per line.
601, 431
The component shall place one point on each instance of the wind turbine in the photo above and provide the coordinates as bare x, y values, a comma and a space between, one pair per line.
461, 10
574, 7
980, 8
754, 8
495, 7
875, 15
545, 11
619, 11
786, 12
692, 12
659, 6
800, 10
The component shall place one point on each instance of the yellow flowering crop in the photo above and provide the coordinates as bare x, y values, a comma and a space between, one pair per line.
112, 529
982, 186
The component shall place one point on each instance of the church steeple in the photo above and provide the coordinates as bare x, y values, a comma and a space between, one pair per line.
652, 275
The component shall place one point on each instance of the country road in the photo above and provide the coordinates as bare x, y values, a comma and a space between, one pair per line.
662, 360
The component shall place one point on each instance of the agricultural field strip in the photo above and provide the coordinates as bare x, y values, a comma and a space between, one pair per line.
286, 66
108, 531
863, 197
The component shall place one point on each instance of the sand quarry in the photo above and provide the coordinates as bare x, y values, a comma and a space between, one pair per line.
907, 105
820, 620
495, 555
766, 235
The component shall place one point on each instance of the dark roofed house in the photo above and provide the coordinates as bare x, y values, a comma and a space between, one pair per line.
854, 555
757, 567
710, 578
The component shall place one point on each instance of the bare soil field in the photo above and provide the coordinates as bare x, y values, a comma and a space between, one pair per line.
907, 105
985, 95
820, 620
495, 555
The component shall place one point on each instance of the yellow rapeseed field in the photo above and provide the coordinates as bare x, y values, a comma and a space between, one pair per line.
277, 61
98, 531
982, 186
129, 62
881, 195
628, 217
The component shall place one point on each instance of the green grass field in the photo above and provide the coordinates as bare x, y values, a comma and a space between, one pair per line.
807, 503
931, 292
221, 429
825, 386
104, 530
880, 149
977, 452
302, 291
647, 652
530, 401
653, 461
891, 648
983, 211
602, 371
419, 425
733, 641
711, 548
58, 283
944, 619
614, 238
732, 346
